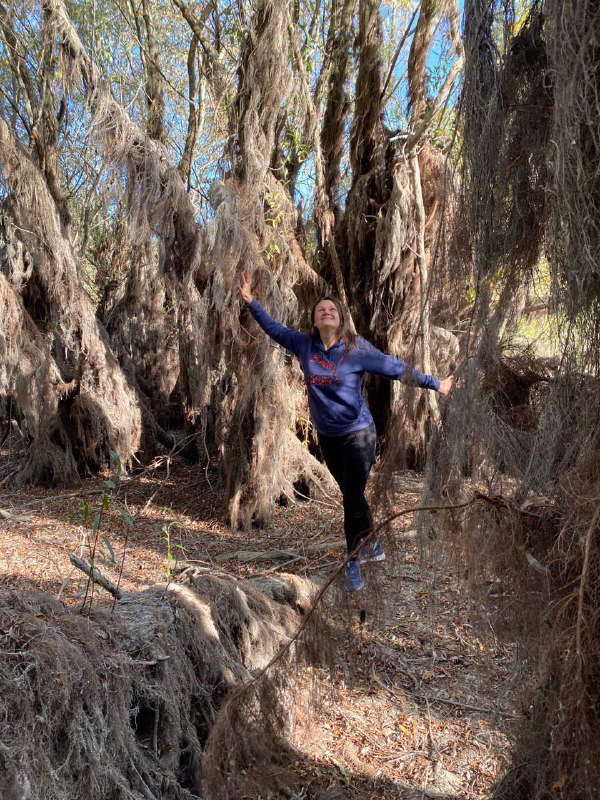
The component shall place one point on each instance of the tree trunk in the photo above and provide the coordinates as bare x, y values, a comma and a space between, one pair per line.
255, 222
226, 383
142, 321
159, 205
389, 228
379, 225
142, 326
29, 376
195, 113
102, 414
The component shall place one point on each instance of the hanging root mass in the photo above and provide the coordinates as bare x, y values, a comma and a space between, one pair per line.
527, 428
124, 702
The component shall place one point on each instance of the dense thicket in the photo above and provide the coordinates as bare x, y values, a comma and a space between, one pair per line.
528, 430
144, 165
135, 279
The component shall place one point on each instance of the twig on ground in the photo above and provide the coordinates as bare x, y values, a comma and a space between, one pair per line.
51, 498
244, 556
9, 476
285, 564
84, 537
407, 535
409, 675
13, 517
334, 503
428, 699
242, 690
457, 704
95, 576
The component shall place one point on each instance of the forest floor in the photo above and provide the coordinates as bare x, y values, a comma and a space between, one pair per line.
424, 698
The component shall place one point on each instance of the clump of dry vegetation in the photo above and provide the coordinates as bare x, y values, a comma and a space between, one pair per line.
523, 429
123, 701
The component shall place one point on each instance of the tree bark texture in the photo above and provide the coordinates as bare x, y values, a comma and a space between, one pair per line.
103, 412
381, 237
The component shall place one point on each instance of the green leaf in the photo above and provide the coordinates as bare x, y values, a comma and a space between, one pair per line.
125, 515
96, 524
105, 502
110, 484
106, 541
85, 510
115, 466
340, 767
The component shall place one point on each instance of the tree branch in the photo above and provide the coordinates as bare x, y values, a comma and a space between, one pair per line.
95, 576
220, 78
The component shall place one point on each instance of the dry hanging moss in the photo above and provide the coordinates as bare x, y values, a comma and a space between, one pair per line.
379, 243
235, 389
102, 415
525, 428
243, 387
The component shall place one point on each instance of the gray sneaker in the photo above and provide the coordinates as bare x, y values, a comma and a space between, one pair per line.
371, 552
354, 581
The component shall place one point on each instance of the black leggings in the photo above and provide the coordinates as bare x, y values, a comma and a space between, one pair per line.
349, 459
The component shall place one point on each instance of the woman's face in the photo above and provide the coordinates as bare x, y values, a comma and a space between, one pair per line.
327, 317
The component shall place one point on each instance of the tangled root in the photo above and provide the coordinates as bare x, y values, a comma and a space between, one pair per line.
123, 701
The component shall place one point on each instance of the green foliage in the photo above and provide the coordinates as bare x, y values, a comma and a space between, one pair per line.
305, 427
275, 218
97, 538
171, 559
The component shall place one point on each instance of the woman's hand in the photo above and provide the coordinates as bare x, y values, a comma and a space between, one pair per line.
244, 287
447, 385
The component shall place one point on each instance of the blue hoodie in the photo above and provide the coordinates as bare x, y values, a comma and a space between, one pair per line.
334, 377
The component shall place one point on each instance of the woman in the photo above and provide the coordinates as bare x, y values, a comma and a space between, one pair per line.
334, 360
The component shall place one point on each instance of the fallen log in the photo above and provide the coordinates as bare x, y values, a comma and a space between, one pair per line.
244, 556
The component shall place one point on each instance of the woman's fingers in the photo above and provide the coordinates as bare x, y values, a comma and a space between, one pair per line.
447, 385
244, 286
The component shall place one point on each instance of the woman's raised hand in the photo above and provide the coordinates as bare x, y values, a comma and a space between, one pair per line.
244, 287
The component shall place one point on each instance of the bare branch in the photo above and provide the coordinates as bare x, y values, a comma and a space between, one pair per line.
194, 122
407, 32
96, 576
323, 210
218, 75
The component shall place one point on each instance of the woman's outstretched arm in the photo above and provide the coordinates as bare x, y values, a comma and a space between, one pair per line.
292, 340
380, 364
